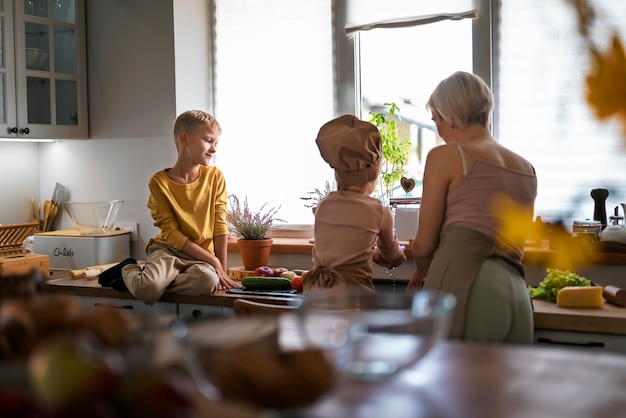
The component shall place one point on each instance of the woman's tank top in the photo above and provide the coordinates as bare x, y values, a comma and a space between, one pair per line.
487, 199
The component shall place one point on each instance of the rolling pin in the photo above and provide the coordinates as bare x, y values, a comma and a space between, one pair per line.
92, 271
615, 295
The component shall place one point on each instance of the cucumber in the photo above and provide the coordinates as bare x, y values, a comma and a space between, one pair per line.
266, 283
299, 271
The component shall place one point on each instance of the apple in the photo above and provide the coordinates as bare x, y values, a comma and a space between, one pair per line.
67, 368
264, 271
288, 274
279, 270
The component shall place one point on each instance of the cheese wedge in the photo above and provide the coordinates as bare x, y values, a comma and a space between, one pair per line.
580, 297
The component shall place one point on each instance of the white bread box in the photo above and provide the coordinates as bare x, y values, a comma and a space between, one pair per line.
68, 250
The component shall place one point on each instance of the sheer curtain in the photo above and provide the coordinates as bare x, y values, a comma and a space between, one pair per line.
274, 89
542, 113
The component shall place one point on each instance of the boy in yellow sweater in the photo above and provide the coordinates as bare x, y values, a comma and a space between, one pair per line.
188, 203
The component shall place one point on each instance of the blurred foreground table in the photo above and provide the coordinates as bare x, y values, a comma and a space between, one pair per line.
480, 381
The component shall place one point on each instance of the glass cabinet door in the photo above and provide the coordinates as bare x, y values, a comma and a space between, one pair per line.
51, 90
7, 70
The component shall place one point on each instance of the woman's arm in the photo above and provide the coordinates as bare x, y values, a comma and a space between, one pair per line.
437, 179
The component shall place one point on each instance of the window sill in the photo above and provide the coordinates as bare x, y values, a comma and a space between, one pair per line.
533, 255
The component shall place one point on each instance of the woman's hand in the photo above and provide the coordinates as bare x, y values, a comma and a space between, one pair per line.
415, 283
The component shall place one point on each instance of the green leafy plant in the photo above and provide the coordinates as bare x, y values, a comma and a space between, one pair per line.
555, 281
317, 194
248, 224
395, 150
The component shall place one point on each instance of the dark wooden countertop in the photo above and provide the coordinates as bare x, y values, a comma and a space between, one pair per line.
489, 381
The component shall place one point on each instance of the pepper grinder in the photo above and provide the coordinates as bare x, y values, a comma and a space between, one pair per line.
599, 211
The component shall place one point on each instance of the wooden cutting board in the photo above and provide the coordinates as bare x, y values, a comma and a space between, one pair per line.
610, 319
239, 273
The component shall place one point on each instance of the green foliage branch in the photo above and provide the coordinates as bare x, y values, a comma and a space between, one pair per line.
395, 150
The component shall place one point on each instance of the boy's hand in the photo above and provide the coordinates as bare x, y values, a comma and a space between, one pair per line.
378, 259
227, 283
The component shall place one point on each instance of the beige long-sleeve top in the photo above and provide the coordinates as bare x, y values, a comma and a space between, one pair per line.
348, 228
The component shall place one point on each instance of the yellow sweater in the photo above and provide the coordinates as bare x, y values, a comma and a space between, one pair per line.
195, 211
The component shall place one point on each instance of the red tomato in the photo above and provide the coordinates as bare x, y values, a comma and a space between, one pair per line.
296, 283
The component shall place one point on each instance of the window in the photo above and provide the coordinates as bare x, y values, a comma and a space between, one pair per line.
283, 68
274, 89
403, 66
542, 112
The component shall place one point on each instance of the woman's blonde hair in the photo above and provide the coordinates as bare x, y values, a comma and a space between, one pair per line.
191, 119
462, 99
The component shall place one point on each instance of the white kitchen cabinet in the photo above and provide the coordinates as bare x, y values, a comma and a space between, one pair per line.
132, 306
43, 69
581, 340
190, 312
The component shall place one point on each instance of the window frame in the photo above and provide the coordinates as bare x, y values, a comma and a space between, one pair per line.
346, 57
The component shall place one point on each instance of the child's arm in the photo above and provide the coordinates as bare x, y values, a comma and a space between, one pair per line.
388, 252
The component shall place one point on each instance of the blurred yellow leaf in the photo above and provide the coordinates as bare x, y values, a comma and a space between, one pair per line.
606, 83
514, 219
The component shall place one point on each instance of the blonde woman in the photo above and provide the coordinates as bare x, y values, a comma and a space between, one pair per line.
472, 186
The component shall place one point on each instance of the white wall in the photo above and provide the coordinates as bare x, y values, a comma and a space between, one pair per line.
19, 174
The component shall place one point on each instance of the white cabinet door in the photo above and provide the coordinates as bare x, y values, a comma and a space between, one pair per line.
581, 340
192, 312
132, 306
44, 69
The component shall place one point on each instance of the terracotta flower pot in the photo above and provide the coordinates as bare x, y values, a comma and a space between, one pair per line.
254, 252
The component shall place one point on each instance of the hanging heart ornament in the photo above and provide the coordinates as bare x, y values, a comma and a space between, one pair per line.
407, 184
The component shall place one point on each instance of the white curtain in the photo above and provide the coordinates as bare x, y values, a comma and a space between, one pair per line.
361, 12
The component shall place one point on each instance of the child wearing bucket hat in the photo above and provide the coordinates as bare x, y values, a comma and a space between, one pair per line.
352, 229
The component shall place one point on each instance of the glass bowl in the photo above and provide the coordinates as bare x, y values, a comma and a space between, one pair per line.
94, 218
373, 336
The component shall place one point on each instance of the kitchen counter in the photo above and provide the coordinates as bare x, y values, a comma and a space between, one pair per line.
609, 319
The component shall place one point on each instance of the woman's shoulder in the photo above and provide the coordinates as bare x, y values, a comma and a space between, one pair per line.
439, 156
515, 161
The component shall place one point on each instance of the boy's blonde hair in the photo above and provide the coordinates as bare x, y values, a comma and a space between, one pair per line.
188, 121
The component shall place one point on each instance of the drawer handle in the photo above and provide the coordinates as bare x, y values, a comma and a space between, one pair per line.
105, 305
551, 341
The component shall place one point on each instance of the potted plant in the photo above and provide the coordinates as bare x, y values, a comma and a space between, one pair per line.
316, 195
251, 228
395, 150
